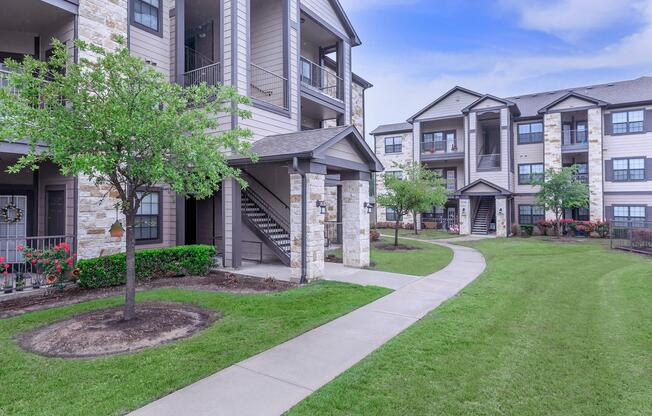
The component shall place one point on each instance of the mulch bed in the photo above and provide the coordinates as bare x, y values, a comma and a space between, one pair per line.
104, 332
219, 282
392, 247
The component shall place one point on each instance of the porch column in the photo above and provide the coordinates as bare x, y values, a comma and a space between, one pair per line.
596, 195
355, 220
314, 191
551, 146
501, 216
465, 215
232, 223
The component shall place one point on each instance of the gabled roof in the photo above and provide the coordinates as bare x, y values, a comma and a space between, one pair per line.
392, 128
499, 190
438, 100
309, 144
341, 14
512, 106
569, 95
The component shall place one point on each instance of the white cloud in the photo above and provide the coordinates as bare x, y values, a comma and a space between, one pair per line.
573, 20
401, 90
358, 5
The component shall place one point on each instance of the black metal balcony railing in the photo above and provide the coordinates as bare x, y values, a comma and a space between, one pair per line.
491, 161
575, 137
322, 79
211, 75
447, 146
269, 87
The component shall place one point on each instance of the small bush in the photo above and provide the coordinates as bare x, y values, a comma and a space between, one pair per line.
150, 264
374, 235
527, 229
516, 229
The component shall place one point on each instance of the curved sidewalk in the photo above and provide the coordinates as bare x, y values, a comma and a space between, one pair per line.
273, 381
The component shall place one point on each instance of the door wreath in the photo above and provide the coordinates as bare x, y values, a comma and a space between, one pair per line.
11, 214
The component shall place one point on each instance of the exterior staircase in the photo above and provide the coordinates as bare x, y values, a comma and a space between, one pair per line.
483, 217
268, 225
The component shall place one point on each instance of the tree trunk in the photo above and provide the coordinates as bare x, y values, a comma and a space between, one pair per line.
414, 218
130, 294
396, 233
558, 225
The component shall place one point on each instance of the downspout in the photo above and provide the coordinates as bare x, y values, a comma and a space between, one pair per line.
304, 213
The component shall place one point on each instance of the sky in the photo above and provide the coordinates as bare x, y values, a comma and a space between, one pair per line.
415, 50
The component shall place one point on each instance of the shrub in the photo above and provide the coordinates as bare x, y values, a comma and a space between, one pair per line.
374, 235
516, 229
150, 264
642, 238
385, 224
527, 228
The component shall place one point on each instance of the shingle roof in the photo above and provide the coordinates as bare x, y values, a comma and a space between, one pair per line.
613, 93
392, 128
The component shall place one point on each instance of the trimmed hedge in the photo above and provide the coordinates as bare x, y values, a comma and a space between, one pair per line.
150, 264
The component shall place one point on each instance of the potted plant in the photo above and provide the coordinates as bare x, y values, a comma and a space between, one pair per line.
7, 284
20, 282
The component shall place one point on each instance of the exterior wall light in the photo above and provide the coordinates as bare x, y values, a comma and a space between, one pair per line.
322, 206
370, 207
500, 211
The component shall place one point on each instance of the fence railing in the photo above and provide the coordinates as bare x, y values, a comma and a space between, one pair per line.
20, 269
491, 161
210, 74
269, 87
574, 137
445, 146
322, 79
633, 235
332, 233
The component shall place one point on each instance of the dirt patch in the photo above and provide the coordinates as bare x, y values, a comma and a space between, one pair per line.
392, 247
332, 258
218, 282
103, 332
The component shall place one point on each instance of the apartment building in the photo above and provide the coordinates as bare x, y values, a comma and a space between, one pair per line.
291, 57
489, 149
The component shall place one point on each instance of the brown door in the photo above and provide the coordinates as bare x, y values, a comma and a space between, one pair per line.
55, 211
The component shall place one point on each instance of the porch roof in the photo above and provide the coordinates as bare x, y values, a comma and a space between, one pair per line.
310, 144
482, 187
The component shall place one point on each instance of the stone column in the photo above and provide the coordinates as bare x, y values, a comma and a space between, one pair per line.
465, 215
551, 146
314, 226
501, 216
596, 197
232, 223
355, 219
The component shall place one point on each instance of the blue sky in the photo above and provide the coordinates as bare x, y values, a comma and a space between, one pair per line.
415, 50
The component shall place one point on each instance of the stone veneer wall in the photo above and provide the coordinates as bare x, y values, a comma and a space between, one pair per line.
465, 216
331, 203
596, 197
389, 161
100, 21
552, 156
355, 219
501, 218
314, 226
357, 111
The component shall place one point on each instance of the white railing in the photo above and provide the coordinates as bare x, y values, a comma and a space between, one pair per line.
322, 79
268, 87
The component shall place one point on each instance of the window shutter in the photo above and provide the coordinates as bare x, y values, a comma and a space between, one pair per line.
609, 212
648, 169
607, 124
649, 214
609, 170
648, 120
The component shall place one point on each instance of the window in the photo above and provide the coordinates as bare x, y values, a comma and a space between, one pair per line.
148, 218
529, 173
449, 175
439, 141
578, 214
629, 169
629, 215
306, 71
627, 122
395, 173
147, 15
530, 133
393, 144
582, 174
530, 214
390, 214
581, 133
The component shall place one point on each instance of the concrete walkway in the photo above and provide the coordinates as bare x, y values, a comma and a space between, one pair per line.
273, 381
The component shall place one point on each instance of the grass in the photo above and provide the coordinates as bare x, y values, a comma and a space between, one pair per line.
549, 329
428, 259
36, 385
423, 234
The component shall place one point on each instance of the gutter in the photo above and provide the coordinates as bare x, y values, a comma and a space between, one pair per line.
304, 213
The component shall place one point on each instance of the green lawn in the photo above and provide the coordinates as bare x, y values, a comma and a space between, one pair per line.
423, 234
549, 329
428, 259
35, 385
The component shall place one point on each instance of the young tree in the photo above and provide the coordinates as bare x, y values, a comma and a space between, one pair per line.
119, 122
419, 190
560, 190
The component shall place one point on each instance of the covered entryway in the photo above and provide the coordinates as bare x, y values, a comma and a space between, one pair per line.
485, 208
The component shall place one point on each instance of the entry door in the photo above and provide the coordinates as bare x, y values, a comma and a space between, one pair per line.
55, 224
451, 216
13, 233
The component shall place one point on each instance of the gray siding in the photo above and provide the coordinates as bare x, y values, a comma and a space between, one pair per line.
153, 48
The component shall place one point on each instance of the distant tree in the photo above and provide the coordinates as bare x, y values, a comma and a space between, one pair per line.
122, 124
419, 190
561, 190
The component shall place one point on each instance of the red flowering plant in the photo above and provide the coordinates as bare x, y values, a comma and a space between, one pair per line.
6, 282
55, 262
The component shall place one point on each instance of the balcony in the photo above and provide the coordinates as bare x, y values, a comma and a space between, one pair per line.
574, 140
489, 162
201, 69
433, 149
269, 87
321, 79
